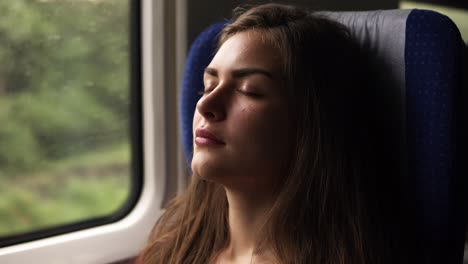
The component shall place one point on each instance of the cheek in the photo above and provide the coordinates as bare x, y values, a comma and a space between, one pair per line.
276, 133
265, 130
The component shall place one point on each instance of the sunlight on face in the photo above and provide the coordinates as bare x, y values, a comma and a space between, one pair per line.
242, 131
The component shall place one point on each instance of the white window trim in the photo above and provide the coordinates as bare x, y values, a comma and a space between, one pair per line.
125, 238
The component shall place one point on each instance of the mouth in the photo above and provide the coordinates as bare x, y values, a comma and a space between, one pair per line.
204, 137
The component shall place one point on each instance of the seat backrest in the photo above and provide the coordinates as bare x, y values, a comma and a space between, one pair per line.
418, 55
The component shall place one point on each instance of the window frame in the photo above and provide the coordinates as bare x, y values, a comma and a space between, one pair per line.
158, 154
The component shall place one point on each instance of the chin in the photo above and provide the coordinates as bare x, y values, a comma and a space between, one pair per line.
210, 170
204, 168
211, 175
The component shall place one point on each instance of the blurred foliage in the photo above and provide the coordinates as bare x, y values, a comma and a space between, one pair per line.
64, 111
64, 80
73, 200
81, 187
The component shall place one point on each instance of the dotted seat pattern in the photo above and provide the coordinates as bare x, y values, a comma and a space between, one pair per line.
433, 57
200, 55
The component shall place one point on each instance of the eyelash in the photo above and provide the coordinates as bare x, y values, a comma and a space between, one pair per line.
207, 89
253, 95
249, 94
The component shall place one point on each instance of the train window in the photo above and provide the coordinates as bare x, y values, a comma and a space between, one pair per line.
65, 155
83, 84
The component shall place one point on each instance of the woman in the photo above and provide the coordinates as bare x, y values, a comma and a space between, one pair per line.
282, 153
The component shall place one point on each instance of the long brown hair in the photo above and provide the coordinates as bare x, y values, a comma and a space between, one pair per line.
328, 209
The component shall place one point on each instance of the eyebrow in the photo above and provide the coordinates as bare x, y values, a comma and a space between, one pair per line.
239, 73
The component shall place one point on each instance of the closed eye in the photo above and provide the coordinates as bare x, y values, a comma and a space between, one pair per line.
209, 87
250, 94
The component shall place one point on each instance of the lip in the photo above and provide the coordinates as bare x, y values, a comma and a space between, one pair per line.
203, 137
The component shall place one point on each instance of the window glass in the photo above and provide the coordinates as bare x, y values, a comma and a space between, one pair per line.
64, 112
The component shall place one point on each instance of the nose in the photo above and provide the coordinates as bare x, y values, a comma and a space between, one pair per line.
212, 106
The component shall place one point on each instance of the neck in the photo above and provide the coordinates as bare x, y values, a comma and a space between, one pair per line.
247, 214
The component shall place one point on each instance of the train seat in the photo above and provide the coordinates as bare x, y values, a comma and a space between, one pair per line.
419, 56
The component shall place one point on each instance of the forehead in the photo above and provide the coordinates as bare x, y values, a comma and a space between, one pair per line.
249, 48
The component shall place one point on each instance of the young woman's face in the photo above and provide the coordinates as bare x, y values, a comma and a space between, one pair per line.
242, 130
